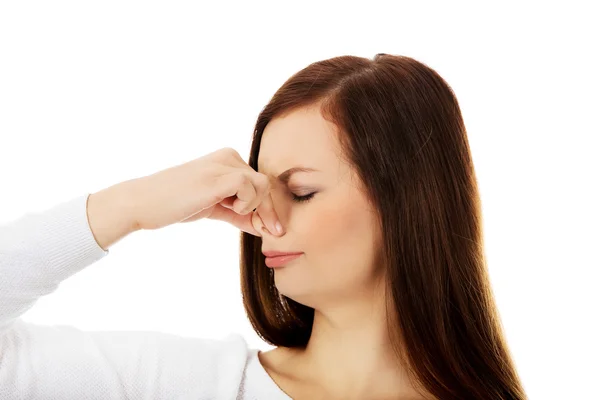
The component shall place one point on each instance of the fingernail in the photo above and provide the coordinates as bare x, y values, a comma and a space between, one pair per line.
278, 227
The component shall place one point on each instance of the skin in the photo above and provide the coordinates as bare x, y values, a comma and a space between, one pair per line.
349, 355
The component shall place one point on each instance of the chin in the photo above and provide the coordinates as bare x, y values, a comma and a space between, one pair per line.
291, 287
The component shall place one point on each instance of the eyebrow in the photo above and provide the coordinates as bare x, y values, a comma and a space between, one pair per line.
285, 176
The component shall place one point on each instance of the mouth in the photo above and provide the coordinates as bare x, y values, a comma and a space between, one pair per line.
281, 260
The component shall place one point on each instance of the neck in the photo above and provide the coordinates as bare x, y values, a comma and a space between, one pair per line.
350, 353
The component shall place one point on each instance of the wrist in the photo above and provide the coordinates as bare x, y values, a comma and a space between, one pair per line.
111, 214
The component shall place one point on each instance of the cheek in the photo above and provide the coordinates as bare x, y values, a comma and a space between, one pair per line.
339, 240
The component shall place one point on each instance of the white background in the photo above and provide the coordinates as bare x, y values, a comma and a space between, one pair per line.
94, 93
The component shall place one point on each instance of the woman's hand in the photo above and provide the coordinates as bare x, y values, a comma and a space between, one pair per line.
219, 185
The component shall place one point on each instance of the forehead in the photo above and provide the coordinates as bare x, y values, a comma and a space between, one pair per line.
301, 136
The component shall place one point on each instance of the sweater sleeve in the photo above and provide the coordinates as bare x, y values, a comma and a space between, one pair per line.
37, 252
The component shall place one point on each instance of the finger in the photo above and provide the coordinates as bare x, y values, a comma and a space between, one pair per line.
242, 222
252, 191
228, 202
264, 204
246, 194
267, 213
230, 156
257, 223
260, 182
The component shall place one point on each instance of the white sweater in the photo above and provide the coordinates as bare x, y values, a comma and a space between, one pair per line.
37, 252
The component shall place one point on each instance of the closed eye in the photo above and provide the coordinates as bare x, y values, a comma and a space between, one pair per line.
300, 199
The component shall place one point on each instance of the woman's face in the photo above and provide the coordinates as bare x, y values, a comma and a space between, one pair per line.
335, 227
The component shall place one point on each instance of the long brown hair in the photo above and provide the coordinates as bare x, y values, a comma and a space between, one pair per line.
402, 130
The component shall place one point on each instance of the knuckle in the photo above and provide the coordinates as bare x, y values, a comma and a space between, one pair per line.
225, 152
263, 183
234, 153
242, 179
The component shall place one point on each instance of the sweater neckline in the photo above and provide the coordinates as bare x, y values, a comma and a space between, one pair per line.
265, 383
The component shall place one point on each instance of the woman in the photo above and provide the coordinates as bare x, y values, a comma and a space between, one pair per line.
366, 166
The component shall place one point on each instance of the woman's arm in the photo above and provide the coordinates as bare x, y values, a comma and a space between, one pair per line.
111, 213
40, 250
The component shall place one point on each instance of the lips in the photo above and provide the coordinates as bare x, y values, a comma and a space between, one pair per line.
280, 253
276, 259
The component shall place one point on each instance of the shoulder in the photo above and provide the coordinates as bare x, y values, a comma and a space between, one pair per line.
214, 358
121, 364
280, 363
205, 367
